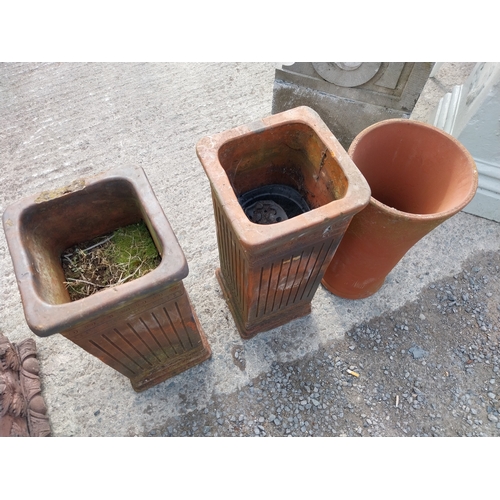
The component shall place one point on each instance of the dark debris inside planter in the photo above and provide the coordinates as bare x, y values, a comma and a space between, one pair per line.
109, 260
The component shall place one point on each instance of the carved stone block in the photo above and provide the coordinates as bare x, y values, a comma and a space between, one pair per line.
350, 96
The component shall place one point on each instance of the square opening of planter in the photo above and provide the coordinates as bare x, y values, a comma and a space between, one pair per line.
291, 157
40, 229
284, 191
287, 161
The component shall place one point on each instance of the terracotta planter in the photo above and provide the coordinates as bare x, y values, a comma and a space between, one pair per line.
146, 328
270, 272
419, 176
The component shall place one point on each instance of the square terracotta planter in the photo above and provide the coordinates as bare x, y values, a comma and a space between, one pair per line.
270, 272
145, 329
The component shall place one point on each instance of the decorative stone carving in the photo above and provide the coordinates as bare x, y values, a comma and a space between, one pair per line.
347, 74
350, 96
471, 113
22, 409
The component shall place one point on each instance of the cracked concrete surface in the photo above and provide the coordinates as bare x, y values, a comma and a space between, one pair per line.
61, 121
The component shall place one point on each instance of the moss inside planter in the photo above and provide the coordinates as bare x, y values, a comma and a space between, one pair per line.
109, 260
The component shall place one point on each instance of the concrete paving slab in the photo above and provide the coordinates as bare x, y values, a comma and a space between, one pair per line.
61, 122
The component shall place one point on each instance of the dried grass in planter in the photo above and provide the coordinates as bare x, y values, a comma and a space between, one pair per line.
109, 260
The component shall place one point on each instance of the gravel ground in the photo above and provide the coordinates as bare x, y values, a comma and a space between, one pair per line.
430, 368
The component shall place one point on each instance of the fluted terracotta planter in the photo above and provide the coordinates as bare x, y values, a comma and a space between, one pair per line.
419, 177
291, 176
145, 329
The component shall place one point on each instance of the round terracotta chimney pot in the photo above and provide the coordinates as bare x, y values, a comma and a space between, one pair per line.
419, 176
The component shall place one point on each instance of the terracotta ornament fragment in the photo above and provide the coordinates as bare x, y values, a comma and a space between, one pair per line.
22, 409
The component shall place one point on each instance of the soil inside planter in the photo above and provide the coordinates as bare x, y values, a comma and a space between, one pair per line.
109, 260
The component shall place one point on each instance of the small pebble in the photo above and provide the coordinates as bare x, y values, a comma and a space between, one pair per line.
417, 352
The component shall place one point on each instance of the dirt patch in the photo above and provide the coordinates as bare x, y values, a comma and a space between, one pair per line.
109, 260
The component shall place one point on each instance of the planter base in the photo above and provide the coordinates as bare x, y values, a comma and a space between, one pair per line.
250, 329
23, 410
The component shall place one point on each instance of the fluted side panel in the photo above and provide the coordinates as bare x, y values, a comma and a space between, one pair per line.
269, 289
233, 266
143, 337
293, 279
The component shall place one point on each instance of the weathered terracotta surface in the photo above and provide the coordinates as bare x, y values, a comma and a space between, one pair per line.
22, 409
419, 177
146, 328
270, 273
148, 340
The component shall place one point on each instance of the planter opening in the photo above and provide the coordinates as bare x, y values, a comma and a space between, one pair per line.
412, 167
109, 260
272, 204
291, 156
49, 227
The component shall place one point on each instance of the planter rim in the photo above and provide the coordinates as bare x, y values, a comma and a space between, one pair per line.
255, 235
413, 216
46, 319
